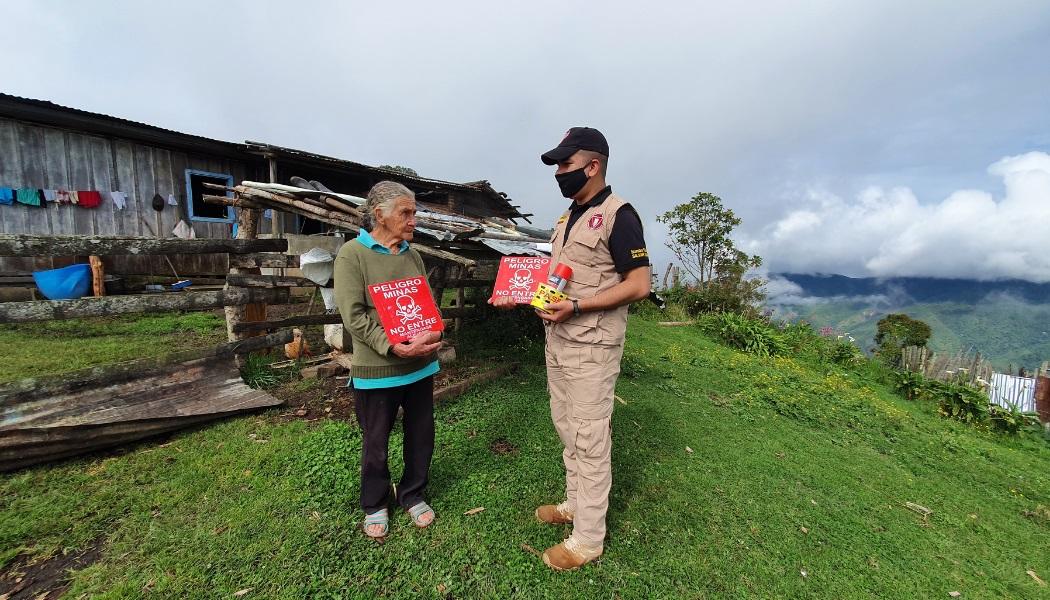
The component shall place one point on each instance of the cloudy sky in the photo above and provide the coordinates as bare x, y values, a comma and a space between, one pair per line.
865, 138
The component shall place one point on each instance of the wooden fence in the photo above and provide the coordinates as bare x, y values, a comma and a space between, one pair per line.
968, 365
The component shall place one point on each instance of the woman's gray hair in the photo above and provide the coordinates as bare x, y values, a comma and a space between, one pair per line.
382, 196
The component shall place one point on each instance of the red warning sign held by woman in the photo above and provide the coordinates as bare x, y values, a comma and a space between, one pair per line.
406, 308
519, 276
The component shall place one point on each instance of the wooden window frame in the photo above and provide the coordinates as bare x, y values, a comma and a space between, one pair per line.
231, 216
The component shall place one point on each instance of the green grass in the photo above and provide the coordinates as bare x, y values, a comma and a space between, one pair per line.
55, 347
796, 466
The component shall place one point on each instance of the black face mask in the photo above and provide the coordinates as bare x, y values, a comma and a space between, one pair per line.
571, 182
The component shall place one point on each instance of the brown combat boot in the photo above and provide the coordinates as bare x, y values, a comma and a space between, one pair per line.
554, 514
570, 555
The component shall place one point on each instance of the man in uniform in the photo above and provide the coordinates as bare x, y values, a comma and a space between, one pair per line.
600, 237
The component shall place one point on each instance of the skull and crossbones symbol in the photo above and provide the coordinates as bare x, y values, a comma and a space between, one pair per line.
408, 310
522, 280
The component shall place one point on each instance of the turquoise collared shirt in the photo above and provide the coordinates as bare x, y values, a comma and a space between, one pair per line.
366, 240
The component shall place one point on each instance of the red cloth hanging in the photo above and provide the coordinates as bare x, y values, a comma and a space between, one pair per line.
89, 199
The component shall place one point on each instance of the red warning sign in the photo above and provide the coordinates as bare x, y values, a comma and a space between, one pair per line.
519, 276
406, 308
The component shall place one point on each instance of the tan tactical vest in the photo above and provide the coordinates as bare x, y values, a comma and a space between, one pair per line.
593, 271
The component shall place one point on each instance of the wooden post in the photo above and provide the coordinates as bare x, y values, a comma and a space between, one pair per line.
438, 283
98, 276
460, 297
276, 216
247, 229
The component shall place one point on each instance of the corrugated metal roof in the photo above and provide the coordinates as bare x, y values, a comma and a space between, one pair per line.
484, 187
50, 113
508, 248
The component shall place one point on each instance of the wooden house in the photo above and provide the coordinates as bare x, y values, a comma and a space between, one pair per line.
51, 147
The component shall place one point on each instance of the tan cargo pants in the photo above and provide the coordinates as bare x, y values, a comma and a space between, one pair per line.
582, 381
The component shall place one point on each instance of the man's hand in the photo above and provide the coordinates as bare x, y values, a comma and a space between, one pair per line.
421, 345
557, 312
503, 302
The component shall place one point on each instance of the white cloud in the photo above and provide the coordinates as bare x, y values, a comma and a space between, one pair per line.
889, 233
781, 292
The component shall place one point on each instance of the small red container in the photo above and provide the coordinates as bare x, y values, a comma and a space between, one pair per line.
559, 276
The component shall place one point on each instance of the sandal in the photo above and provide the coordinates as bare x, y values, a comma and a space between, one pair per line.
418, 511
377, 524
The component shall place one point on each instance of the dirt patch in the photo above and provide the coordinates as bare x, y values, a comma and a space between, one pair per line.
503, 446
38, 579
329, 398
313, 399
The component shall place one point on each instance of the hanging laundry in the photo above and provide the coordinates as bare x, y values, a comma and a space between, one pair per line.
88, 198
268, 213
184, 231
62, 196
74, 197
120, 200
172, 201
51, 195
28, 196
7, 195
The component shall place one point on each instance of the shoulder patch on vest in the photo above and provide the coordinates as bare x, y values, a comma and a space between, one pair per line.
596, 220
563, 219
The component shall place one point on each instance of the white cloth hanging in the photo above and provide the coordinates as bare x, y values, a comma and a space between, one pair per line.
120, 200
184, 231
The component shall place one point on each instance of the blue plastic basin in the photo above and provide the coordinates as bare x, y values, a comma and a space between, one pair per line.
66, 283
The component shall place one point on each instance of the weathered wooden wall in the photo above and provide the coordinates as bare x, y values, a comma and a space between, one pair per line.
39, 156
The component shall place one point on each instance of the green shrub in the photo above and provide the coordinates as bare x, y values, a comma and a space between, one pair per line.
750, 335
1006, 420
800, 338
959, 401
841, 352
909, 384
715, 297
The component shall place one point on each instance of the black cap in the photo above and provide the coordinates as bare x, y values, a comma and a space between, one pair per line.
577, 138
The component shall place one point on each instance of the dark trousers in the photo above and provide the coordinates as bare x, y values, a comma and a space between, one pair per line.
376, 411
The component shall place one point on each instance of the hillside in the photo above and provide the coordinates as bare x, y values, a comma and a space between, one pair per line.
1008, 322
734, 476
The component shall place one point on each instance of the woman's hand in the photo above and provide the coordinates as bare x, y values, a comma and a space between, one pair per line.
503, 302
421, 345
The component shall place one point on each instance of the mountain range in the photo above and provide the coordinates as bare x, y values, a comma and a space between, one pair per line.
1008, 321
917, 289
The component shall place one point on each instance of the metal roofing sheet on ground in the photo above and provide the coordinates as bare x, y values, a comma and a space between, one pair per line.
507, 247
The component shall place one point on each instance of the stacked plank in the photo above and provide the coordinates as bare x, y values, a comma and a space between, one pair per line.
346, 212
339, 210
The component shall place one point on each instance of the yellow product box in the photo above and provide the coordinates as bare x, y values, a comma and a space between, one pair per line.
545, 295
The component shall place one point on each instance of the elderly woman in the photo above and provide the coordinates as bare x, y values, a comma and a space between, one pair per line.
387, 376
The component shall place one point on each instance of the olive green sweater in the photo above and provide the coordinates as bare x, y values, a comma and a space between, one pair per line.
357, 267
